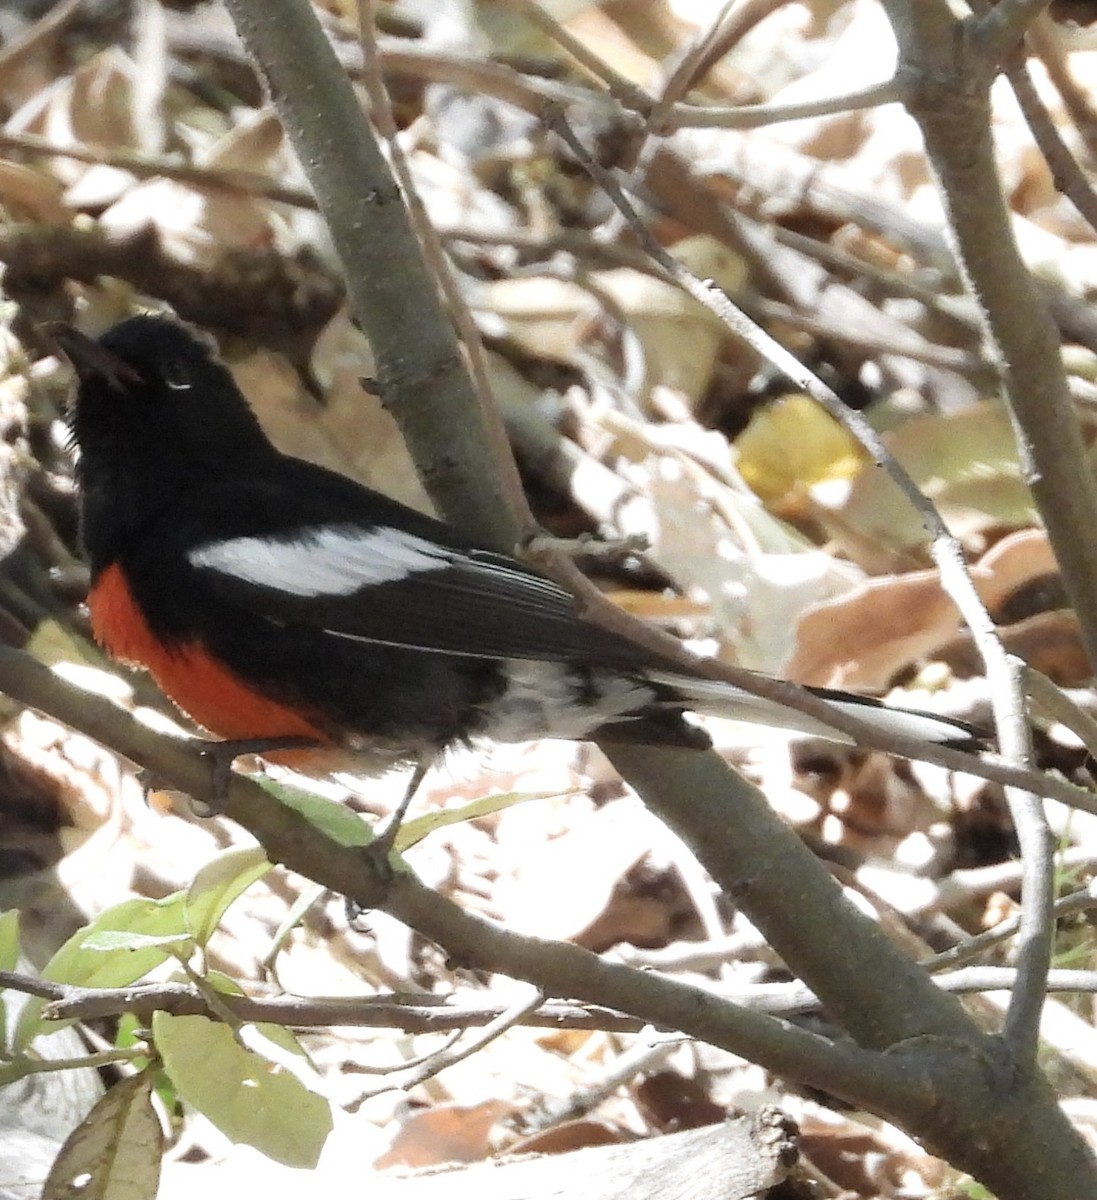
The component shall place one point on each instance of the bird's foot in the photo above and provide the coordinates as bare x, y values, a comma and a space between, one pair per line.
380, 850
223, 755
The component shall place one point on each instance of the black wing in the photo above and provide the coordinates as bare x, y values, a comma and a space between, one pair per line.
316, 549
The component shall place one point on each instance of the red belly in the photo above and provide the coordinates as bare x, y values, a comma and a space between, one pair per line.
209, 693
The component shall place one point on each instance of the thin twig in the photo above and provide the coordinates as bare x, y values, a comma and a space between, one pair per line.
998, 979
478, 75
694, 63
22, 1067
946, 358
1055, 705
146, 166
621, 88
636, 1060
726, 32
31, 985
792, 999
411, 1064
1066, 171
754, 116
972, 947
1043, 37
998, 33
959, 888
1036, 930
413, 1012
440, 1060
931, 295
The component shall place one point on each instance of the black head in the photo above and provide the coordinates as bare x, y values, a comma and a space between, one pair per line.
151, 388
155, 414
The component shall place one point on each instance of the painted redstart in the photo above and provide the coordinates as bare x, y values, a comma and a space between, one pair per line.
271, 598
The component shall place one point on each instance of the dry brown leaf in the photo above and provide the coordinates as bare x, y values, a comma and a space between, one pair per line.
349, 431
1013, 562
95, 106
197, 225
631, 919
446, 1133
362, 434
568, 1136
671, 1100
254, 143
1048, 641
865, 637
604, 36
861, 639
868, 1162
877, 803
30, 195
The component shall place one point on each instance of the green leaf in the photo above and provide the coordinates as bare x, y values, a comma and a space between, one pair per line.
77, 962
9, 961
225, 984
334, 820
412, 832
114, 1153
218, 884
85, 966
9, 940
126, 1036
249, 1097
28, 1026
117, 939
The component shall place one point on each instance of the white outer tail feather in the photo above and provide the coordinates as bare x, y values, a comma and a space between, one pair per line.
725, 700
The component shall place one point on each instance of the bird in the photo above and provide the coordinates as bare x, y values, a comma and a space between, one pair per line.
274, 600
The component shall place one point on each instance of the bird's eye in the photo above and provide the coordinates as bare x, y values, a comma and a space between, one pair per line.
175, 375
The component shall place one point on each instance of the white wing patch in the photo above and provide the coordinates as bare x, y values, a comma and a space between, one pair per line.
329, 561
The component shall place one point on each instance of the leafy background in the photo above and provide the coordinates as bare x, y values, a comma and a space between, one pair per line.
139, 168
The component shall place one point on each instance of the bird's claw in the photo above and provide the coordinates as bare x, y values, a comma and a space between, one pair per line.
222, 755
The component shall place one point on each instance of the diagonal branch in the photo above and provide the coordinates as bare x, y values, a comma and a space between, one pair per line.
556, 968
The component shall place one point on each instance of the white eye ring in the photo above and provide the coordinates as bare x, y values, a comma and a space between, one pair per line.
175, 375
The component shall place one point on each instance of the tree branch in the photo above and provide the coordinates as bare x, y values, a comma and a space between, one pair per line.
419, 365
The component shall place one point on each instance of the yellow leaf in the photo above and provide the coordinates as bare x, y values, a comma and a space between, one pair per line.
793, 443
